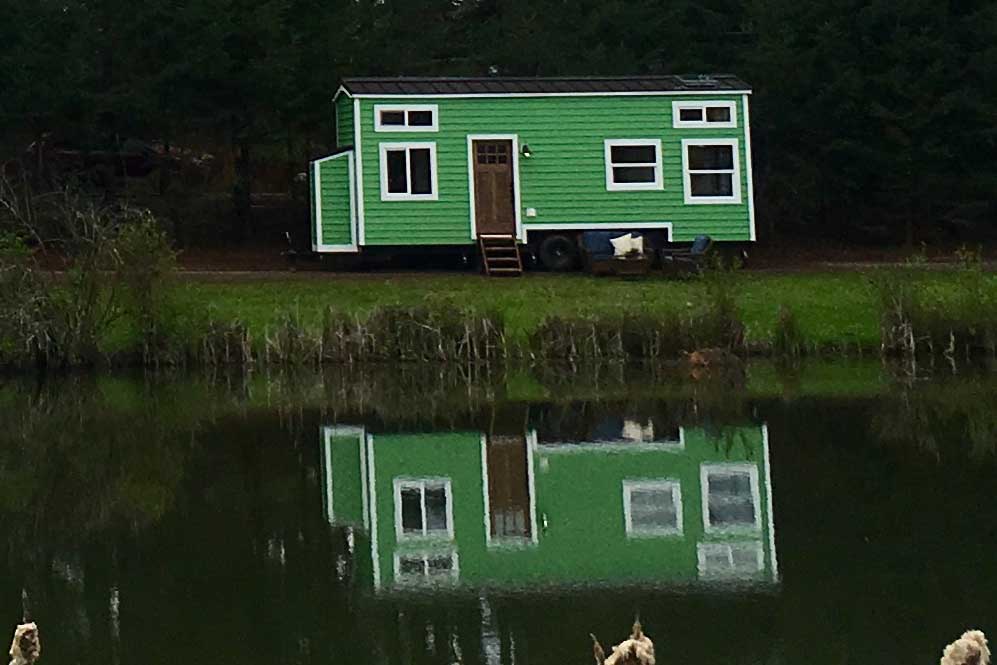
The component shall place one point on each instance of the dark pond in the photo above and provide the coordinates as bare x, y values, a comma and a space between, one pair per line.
829, 514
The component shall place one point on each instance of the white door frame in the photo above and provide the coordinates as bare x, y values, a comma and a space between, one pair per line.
471, 138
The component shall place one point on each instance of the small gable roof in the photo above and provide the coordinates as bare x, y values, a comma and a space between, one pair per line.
500, 85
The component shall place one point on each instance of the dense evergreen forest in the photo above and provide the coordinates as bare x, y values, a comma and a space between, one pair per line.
872, 121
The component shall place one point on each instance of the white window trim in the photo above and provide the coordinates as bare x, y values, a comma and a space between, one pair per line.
704, 550
678, 123
408, 147
412, 580
378, 127
421, 483
735, 198
613, 186
657, 484
704, 475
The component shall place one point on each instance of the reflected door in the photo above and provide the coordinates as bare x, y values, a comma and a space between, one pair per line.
508, 487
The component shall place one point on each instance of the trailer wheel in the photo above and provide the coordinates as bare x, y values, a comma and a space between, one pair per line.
558, 253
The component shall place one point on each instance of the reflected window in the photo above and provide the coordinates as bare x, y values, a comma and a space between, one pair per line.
730, 560
731, 499
652, 507
423, 508
426, 567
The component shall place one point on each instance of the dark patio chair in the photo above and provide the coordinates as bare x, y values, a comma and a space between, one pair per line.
692, 259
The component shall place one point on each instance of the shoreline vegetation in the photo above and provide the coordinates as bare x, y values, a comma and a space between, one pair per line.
120, 304
905, 313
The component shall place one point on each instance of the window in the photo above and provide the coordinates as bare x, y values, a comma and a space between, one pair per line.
730, 497
423, 508
652, 507
633, 164
408, 172
730, 560
432, 567
704, 114
405, 118
711, 172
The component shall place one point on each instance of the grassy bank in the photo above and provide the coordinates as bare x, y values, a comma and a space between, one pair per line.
833, 309
313, 318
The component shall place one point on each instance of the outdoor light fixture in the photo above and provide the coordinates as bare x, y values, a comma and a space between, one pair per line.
526, 151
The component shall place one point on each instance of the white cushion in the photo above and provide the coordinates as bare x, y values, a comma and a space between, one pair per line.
622, 245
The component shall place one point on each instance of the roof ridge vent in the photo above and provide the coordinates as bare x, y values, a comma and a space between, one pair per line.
699, 81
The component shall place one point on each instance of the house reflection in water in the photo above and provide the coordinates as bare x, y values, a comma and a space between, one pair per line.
616, 503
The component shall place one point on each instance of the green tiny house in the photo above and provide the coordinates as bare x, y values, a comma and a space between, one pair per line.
443, 161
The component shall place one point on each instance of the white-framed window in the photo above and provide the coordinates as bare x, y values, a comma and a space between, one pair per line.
426, 567
408, 171
730, 559
423, 508
711, 171
406, 118
633, 164
720, 115
731, 499
652, 507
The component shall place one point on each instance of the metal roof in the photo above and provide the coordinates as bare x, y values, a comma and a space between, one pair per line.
501, 85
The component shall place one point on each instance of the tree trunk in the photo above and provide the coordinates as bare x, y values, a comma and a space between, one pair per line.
242, 193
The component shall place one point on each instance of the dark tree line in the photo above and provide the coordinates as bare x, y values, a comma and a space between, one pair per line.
871, 119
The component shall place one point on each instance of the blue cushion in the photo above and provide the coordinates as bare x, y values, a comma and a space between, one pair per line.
597, 243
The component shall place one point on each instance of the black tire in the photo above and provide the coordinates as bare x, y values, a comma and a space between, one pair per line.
558, 253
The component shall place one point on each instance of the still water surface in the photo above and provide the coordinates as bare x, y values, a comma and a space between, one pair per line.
831, 515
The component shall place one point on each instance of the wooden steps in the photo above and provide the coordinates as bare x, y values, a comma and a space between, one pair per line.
500, 255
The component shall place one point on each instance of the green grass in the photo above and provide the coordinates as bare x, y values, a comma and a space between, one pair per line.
833, 309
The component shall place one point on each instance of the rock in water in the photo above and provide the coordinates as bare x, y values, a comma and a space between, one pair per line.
27, 646
970, 649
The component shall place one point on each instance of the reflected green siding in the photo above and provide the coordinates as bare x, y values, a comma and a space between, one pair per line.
344, 122
347, 488
565, 180
580, 496
334, 181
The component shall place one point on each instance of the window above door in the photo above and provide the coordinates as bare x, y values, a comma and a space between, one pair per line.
406, 118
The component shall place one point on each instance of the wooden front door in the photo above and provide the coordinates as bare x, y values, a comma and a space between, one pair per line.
494, 207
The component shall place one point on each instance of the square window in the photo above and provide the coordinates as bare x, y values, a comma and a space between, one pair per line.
633, 164
730, 497
423, 509
711, 173
408, 172
652, 507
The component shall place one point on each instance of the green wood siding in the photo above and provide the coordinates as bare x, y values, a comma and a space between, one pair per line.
565, 180
344, 122
334, 199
